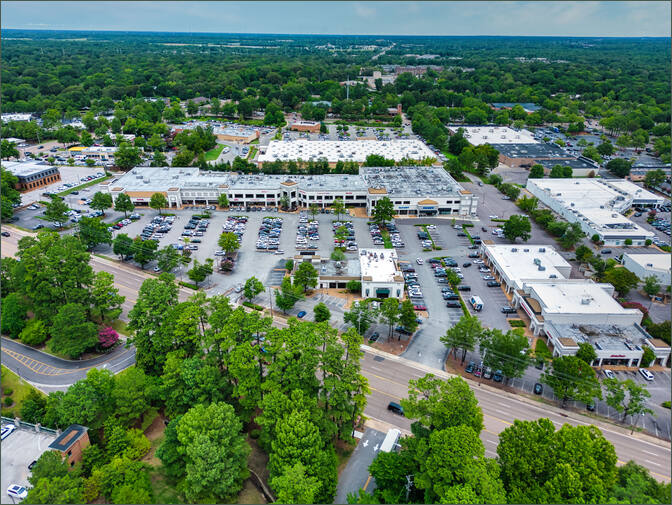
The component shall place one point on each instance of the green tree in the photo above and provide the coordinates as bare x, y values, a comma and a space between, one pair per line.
71, 333
651, 285
537, 172
383, 211
252, 288
583, 253
124, 204
361, 316
33, 407
49, 465
305, 276
508, 352
158, 201
66, 489
288, 295
130, 395
201, 271
105, 298
321, 312
8, 193
338, 207
9, 150
572, 379
56, 211
572, 235
223, 200
407, 317
228, 242
122, 246
34, 333
13, 315
619, 167
215, 452
586, 352
605, 149
527, 204
654, 178
127, 157
167, 258
144, 251
517, 226
438, 404
92, 232
389, 313
294, 486
647, 357
464, 335
622, 279
159, 159
635, 485
627, 397
101, 201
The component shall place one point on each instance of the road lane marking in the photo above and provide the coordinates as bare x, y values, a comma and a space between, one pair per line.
651, 453
652, 462
367, 482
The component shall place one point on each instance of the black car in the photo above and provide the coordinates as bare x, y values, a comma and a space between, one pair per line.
74, 192
464, 288
539, 365
32, 465
605, 251
396, 408
5, 234
590, 407
473, 255
484, 228
538, 388
475, 246
453, 304
508, 310
374, 337
493, 284
466, 264
450, 296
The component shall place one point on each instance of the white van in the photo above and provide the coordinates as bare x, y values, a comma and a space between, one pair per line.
476, 303
646, 374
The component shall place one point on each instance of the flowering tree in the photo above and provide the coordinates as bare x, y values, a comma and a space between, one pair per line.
107, 337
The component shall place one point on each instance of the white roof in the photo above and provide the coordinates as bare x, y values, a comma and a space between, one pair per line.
15, 116
659, 262
334, 150
477, 135
27, 168
379, 264
100, 149
517, 262
570, 297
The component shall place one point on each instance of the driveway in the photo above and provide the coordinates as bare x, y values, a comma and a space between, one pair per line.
355, 475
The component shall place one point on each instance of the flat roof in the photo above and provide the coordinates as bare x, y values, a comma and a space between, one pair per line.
576, 298
484, 134
234, 132
100, 149
518, 262
343, 150
412, 182
27, 168
659, 262
306, 123
613, 338
579, 163
526, 150
379, 264
71, 434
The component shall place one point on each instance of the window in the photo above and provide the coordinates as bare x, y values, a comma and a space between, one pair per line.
249, 195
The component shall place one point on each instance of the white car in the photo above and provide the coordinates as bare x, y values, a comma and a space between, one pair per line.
479, 262
494, 217
646, 374
7, 430
419, 261
16, 491
609, 374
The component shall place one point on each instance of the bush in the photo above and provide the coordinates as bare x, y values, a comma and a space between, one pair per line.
628, 241
541, 350
666, 404
7, 391
354, 286
35, 333
253, 306
107, 337
226, 265
289, 265
254, 434
8, 401
188, 285
517, 323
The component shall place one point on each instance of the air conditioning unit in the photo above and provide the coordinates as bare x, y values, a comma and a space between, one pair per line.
542, 249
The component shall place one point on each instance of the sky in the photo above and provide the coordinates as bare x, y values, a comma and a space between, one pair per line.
582, 19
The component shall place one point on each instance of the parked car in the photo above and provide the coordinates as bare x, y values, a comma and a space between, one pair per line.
646, 374
453, 304
508, 310
605, 251
374, 337
301, 314
609, 374
590, 407
487, 373
466, 264
464, 288
493, 284
419, 307
470, 367
538, 388
16, 491
498, 377
32, 465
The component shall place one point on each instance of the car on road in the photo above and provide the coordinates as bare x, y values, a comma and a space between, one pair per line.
7, 430
646, 374
508, 310
609, 374
538, 388
16, 491
301, 314
396, 408
40, 147
5, 234
419, 261
470, 367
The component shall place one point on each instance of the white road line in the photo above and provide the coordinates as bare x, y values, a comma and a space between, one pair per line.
651, 453
502, 412
652, 462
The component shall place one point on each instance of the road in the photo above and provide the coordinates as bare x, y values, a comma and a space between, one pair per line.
388, 377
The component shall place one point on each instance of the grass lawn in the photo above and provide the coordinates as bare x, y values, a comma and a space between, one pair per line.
85, 185
119, 326
386, 239
164, 492
252, 153
213, 154
20, 390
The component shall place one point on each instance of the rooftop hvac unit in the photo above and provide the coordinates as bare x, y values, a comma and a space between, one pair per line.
514, 249
542, 268
585, 301
537, 261
526, 250
553, 276
542, 249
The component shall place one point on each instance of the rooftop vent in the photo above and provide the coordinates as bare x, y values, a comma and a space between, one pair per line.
585, 301
542, 268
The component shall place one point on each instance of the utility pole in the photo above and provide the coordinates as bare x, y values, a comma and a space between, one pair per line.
270, 298
347, 88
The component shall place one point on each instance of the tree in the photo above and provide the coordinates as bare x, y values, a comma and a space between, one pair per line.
56, 211
635, 485
583, 253
572, 379
294, 486
647, 357
305, 275
361, 316
71, 333
101, 201
159, 159
389, 313
654, 178
66, 489
651, 286
34, 333
586, 353
167, 258
92, 231
201, 271
622, 279
517, 226
9, 150
223, 200
158, 201
105, 299
464, 335
383, 211
338, 207
214, 451
537, 171
144, 251
124, 204
573, 233
107, 337
14, 313
438, 404
8, 194
130, 395
252, 288
49, 465
122, 246
287, 296
127, 157
619, 167
605, 149
508, 352
575, 464
33, 407
228, 242
407, 317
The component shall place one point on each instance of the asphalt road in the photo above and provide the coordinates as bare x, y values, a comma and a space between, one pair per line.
388, 377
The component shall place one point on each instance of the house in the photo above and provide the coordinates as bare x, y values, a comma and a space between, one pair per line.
71, 443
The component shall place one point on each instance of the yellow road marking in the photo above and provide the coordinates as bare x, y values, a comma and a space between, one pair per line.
367, 482
36, 366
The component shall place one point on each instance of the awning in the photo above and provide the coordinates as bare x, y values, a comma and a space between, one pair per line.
383, 291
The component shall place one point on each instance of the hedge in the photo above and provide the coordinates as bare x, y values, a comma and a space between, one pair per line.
188, 285
517, 323
253, 306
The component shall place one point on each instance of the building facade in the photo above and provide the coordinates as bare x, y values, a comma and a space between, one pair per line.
381, 275
31, 174
71, 443
645, 265
306, 126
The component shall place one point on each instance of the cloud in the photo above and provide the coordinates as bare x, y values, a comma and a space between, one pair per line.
364, 12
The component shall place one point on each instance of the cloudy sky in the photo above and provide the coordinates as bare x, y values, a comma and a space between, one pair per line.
618, 19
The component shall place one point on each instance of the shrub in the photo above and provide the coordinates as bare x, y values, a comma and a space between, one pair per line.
354, 286
35, 333
628, 241
289, 265
517, 323
107, 337
666, 404
226, 265
541, 350
188, 285
8, 401
253, 306
7, 391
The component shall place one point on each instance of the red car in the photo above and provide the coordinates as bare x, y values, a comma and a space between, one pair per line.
419, 307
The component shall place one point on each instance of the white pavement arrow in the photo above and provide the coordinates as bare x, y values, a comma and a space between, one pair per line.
365, 443
375, 448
